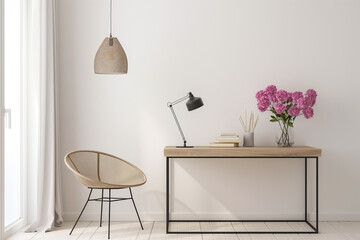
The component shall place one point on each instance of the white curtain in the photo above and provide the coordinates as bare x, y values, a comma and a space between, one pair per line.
42, 148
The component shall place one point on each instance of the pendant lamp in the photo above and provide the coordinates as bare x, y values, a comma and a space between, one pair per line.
110, 57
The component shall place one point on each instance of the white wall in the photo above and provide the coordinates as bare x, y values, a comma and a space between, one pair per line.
223, 51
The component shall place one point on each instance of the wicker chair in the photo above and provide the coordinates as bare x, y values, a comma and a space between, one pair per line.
98, 170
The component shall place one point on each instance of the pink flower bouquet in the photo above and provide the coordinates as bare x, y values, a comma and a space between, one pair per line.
285, 107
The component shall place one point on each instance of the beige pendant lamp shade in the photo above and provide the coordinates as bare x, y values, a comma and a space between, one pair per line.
111, 58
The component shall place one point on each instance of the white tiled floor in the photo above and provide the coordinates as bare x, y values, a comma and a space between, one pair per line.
156, 230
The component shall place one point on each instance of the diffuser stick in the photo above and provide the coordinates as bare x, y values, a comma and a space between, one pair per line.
249, 124
243, 124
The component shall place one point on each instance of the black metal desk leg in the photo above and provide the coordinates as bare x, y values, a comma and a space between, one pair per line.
314, 227
317, 194
167, 195
305, 189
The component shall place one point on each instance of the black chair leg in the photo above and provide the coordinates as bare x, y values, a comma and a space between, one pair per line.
81, 212
102, 202
136, 209
109, 213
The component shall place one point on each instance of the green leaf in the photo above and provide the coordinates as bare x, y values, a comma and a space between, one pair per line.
273, 120
286, 116
289, 119
291, 124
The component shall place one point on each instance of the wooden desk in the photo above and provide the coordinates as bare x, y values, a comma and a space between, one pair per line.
303, 153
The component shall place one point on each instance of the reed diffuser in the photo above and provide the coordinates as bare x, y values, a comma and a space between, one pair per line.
249, 128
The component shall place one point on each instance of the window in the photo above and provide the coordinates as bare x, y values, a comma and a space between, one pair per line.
12, 137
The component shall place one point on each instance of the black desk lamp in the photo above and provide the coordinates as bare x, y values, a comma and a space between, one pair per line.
192, 104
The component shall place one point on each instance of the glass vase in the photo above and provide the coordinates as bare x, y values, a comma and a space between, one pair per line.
285, 137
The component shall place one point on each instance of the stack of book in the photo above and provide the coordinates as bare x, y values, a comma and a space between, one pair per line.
226, 140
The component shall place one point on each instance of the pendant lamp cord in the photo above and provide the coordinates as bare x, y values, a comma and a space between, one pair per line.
111, 18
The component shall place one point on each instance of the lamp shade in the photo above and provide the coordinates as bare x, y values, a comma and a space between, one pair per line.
193, 102
111, 58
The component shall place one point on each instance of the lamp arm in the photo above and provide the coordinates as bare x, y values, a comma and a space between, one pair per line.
170, 104
178, 124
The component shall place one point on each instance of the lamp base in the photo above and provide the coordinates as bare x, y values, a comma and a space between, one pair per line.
184, 146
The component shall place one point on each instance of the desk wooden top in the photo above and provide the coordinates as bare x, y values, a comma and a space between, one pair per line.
206, 151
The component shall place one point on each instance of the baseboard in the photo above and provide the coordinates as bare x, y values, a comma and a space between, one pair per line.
339, 216
160, 216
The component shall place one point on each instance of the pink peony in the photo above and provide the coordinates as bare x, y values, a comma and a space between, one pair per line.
271, 92
296, 96
294, 111
263, 103
308, 101
311, 92
311, 97
302, 103
290, 99
311, 101
261, 107
260, 94
282, 95
308, 112
280, 108
287, 103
